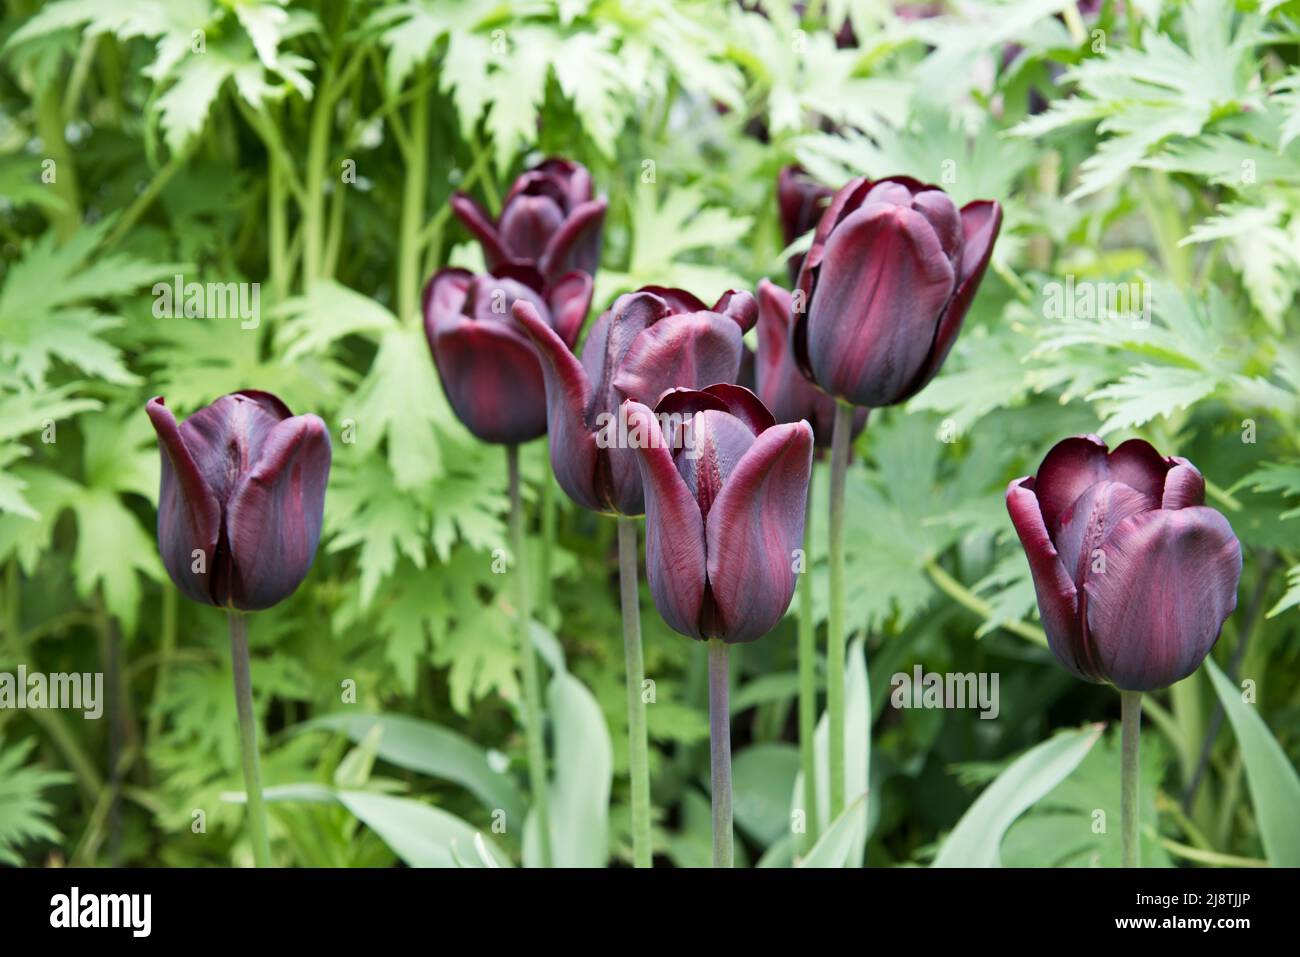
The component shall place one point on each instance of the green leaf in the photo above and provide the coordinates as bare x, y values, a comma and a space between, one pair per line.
1274, 784
976, 839
839, 842
431, 749
762, 776
421, 835
26, 812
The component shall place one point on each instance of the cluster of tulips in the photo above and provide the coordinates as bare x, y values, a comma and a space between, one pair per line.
1134, 575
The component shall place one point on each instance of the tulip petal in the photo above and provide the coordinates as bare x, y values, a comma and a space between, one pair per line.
678, 300
689, 350
1058, 600
740, 306
674, 549
480, 224
1170, 582
753, 530
880, 293
1184, 486
576, 244
226, 437
568, 399
189, 515
981, 221
527, 225
273, 520
570, 302
1088, 522
744, 405
1069, 468
1136, 463
491, 376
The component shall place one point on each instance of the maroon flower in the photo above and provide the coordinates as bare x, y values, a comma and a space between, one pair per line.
241, 499
725, 493
1134, 574
486, 362
884, 288
779, 383
801, 201
650, 341
549, 221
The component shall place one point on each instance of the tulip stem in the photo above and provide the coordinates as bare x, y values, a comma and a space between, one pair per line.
248, 738
528, 662
720, 753
1131, 721
808, 687
638, 755
835, 638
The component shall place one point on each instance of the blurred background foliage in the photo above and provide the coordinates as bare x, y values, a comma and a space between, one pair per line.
1152, 142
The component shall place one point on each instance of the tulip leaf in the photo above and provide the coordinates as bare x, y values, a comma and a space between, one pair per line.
1274, 785
420, 835
761, 778
584, 768
976, 839
419, 745
857, 764
839, 841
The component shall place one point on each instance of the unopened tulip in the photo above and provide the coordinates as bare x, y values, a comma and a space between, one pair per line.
800, 200
241, 498
550, 221
725, 492
778, 381
649, 341
890, 275
1134, 574
486, 361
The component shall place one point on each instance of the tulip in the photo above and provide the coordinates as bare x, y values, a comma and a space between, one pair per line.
778, 381
647, 342
1134, 575
800, 200
241, 498
487, 364
549, 221
891, 272
725, 502
881, 296
240, 504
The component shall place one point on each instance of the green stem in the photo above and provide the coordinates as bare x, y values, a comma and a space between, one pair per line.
528, 661
277, 229
808, 686
968, 599
546, 591
835, 637
50, 127
146, 198
248, 738
720, 754
408, 265
167, 647
637, 748
1131, 719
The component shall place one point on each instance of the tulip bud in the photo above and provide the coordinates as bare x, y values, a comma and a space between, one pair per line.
241, 498
648, 342
800, 200
779, 383
549, 222
486, 362
892, 270
1134, 574
725, 494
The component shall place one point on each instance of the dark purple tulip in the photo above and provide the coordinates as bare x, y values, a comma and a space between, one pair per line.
725, 498
549, 221
650, 341
1134, 574
800, 200
486, 361
241, 499
884, 288
780, 384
